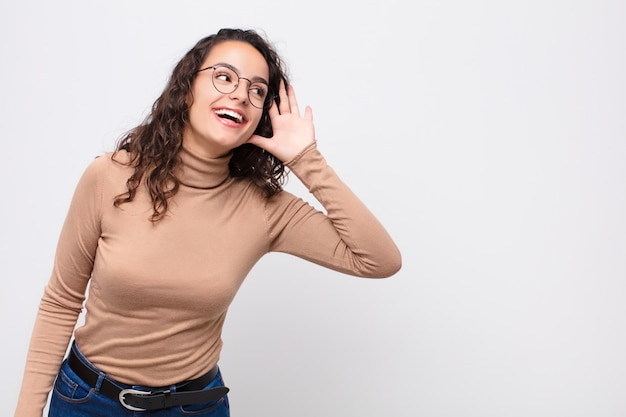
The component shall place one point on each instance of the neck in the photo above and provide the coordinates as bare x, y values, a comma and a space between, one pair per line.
200, 171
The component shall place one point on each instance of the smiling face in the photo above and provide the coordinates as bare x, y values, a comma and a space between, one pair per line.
220, 122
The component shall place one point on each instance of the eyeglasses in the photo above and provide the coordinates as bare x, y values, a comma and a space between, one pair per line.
226, 80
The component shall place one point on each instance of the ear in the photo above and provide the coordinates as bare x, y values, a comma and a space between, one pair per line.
190, 98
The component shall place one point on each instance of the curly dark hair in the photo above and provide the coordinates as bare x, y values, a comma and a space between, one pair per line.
155, 144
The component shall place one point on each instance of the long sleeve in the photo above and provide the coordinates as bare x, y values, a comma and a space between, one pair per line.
63, 296
348, 238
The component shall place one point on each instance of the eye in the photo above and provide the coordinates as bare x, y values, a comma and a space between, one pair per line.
259, 90
224, 76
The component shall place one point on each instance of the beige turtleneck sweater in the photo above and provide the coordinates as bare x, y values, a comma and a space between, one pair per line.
159, 292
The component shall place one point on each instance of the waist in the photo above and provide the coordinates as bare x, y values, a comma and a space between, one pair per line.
148, 397
146, 360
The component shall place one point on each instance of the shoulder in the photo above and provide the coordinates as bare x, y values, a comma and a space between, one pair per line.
110, 162
108, 168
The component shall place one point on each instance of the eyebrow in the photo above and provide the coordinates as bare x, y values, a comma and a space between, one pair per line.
253, 79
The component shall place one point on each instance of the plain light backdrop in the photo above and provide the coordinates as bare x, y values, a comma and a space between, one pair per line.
489, 137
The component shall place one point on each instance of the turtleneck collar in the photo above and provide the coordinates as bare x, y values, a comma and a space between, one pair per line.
201, 172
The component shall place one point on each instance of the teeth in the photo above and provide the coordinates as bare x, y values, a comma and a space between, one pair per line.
234, 115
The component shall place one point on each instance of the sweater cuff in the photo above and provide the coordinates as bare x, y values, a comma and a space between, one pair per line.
296, 158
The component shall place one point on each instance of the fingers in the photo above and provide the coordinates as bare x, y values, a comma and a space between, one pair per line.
308, 113
288, 101
284, 98
293, 103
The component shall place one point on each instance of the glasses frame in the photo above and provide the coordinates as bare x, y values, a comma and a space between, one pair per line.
266, 102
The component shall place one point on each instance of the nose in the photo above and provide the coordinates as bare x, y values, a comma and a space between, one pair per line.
241, 91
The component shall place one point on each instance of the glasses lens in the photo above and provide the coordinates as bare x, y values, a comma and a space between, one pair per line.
226, 81
257, 93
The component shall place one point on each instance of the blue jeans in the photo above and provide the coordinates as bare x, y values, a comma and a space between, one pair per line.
72, 397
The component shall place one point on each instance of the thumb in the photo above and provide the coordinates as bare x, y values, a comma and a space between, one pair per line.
259, 141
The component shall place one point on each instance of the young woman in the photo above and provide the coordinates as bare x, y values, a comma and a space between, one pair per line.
163, 231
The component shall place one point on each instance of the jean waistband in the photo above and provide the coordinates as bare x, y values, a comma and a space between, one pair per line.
145, 398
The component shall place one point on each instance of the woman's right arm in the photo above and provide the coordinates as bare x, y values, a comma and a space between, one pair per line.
64, 294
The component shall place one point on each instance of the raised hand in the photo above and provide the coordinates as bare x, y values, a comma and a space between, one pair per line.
292, 132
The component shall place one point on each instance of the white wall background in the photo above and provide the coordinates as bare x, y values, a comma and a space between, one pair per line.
488, 136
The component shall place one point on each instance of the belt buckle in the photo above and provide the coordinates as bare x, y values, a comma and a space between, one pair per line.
132, 392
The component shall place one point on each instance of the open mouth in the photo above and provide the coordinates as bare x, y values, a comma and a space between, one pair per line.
230, 115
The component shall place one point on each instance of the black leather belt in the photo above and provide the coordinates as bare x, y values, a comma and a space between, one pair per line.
188, 392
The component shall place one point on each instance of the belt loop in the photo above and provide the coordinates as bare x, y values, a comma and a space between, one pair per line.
101, 376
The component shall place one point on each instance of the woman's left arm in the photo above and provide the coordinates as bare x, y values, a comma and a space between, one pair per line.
348, 237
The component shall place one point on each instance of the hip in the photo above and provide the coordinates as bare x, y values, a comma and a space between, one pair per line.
82, 390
